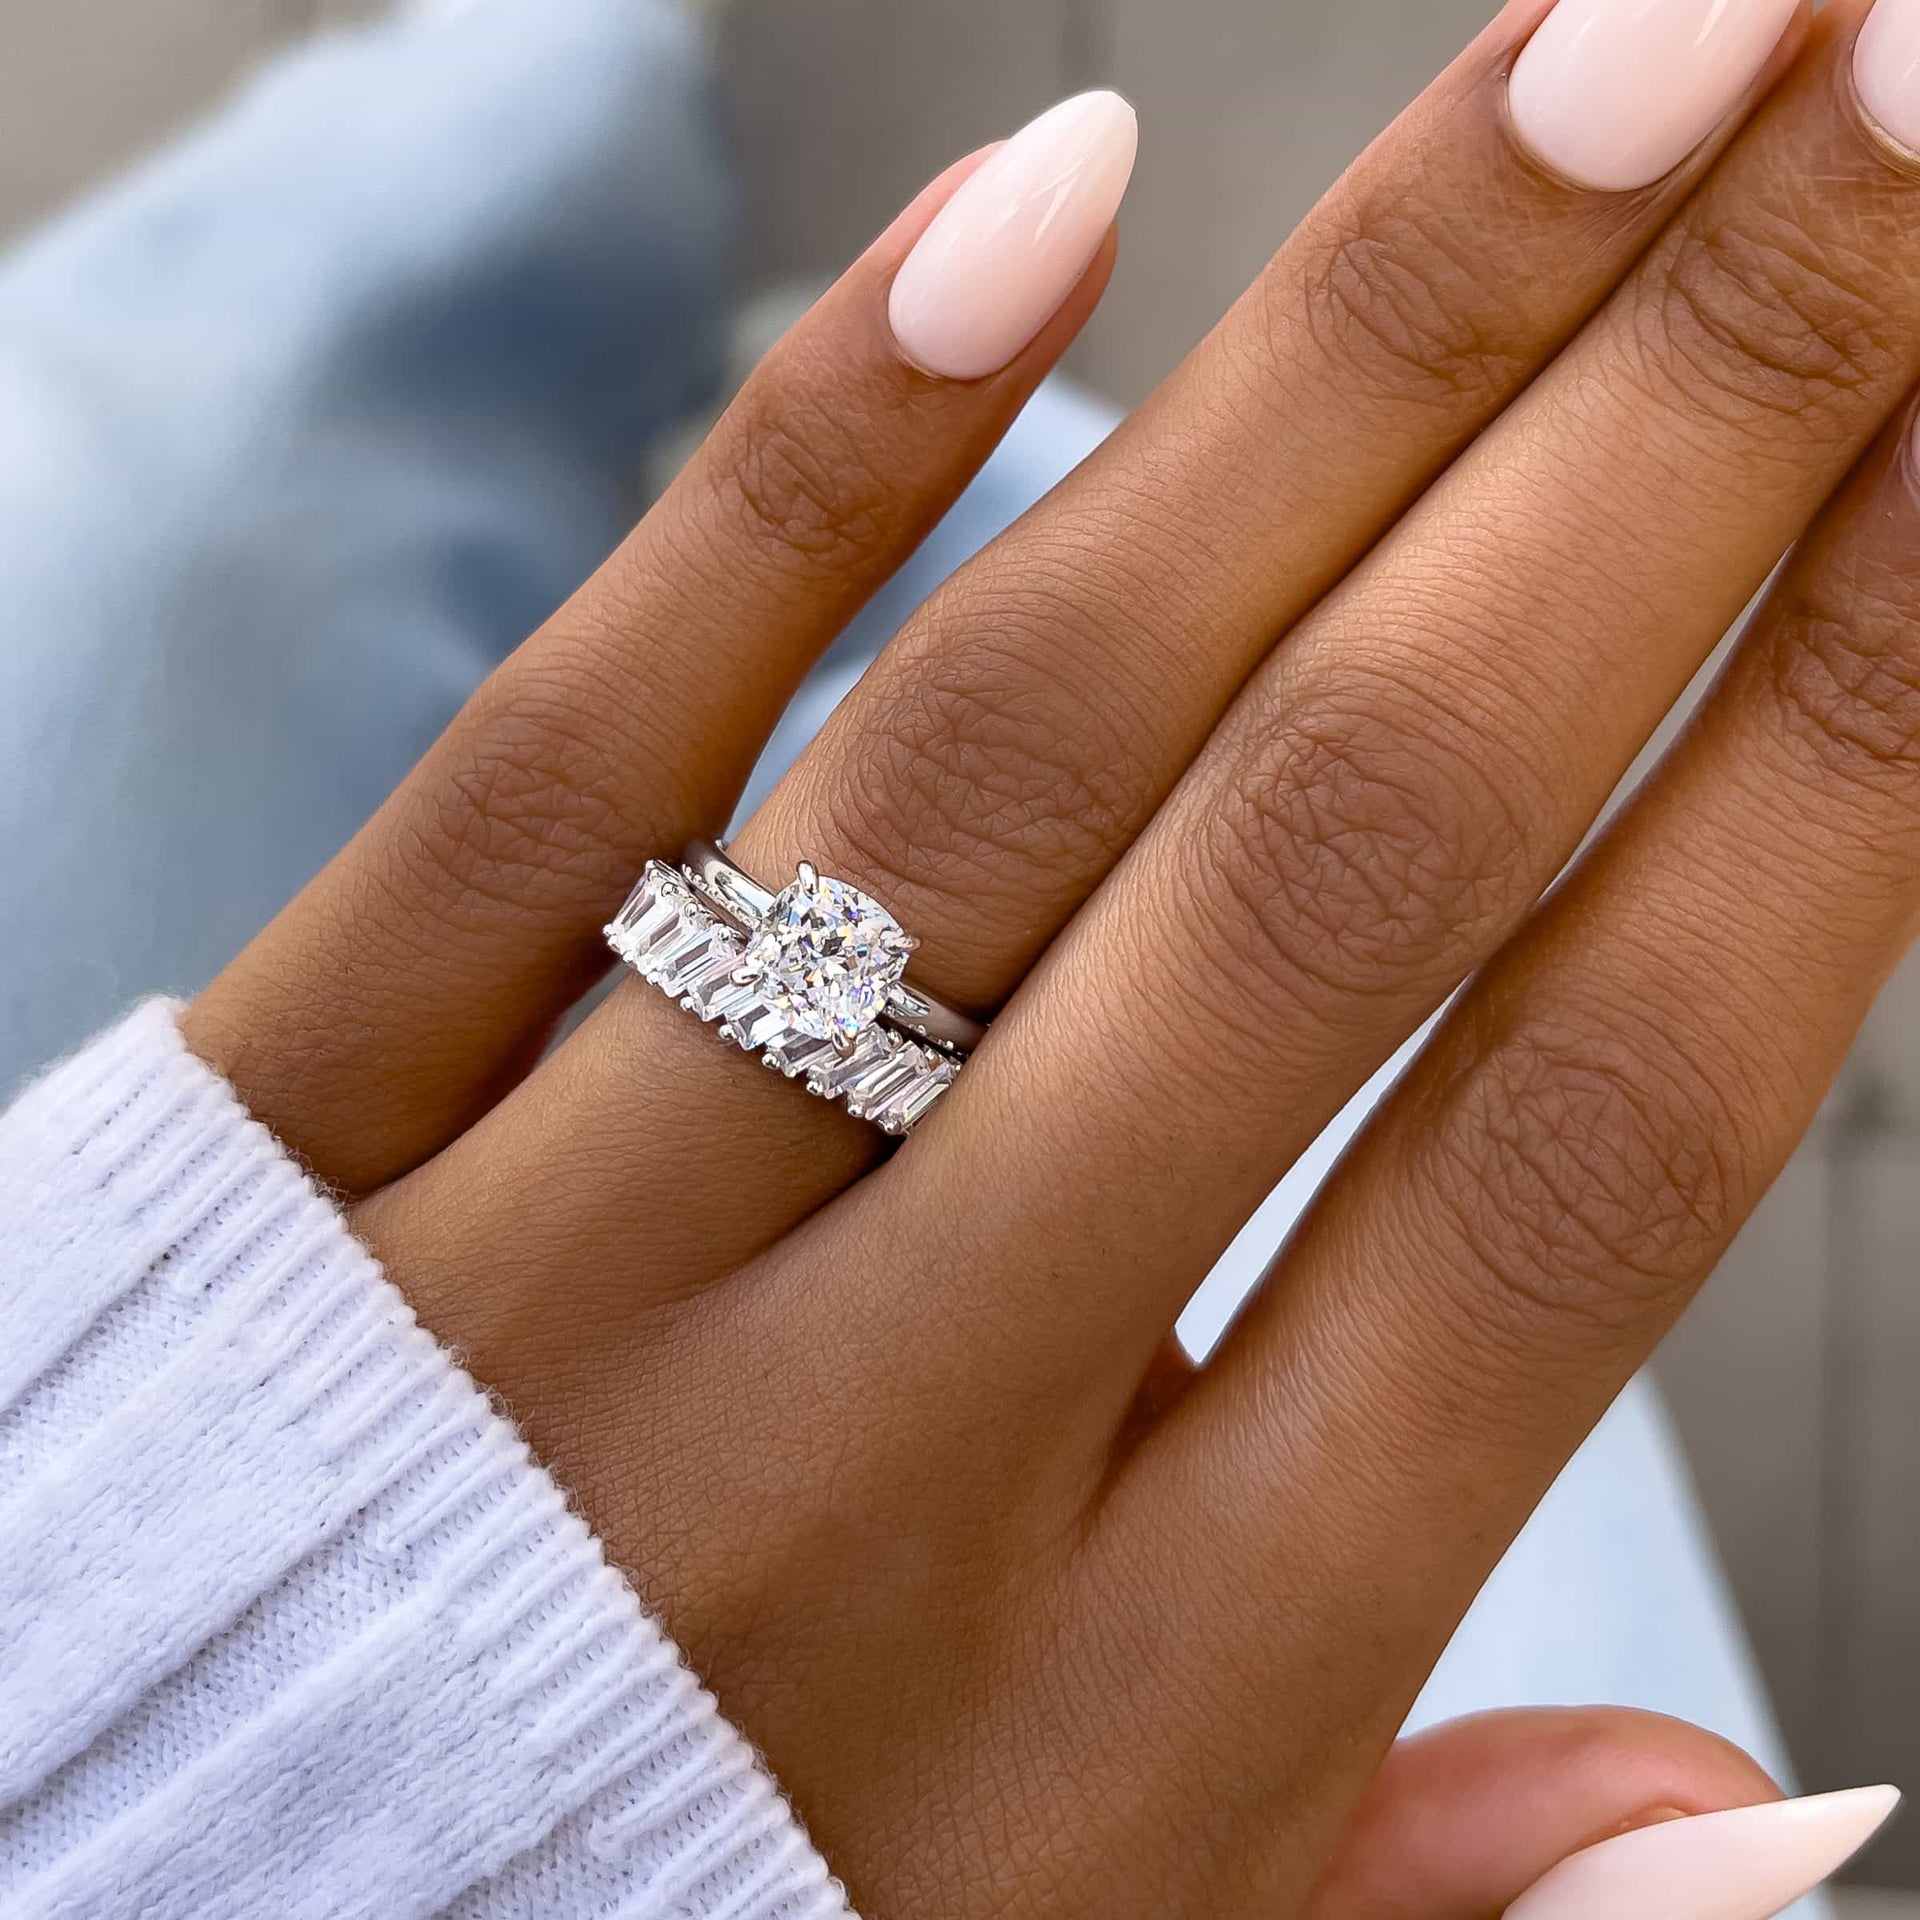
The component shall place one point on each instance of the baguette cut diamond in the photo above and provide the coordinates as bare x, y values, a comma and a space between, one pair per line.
670, 939
826, 956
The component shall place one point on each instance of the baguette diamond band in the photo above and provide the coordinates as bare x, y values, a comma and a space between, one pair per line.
807, 978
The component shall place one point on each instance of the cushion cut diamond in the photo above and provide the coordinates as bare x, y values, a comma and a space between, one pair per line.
826, 956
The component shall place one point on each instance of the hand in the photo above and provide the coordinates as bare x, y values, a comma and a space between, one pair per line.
1215, 775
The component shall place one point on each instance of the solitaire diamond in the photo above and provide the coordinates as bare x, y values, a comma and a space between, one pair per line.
826, 956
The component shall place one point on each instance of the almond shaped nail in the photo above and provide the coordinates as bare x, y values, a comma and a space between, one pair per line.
1614, 94
1003, 254
1886, 70
1744, 1864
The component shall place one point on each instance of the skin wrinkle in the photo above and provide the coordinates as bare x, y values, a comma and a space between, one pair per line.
1088, 598
1725, 346
1852, 705
981, 737
1584, 1187
1765, 318
1371, 298
1349, 870
1401, 941
1392, 280
800, 487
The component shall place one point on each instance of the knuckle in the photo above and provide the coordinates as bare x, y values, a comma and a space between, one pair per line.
798, 474
1593, 1172
1360, 856
1397, 303
1754, 319
1843, 670
525, 813
989, 779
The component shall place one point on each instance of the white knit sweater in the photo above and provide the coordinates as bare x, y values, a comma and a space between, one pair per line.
291, 1622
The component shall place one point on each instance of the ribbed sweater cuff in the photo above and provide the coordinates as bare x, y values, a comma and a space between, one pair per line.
291, 1622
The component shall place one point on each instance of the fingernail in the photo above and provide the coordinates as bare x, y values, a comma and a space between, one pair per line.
1012, 243
1613, 94
1744, 1864
1886, 70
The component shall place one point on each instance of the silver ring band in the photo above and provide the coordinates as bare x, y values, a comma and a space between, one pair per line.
809, 1013
744, 901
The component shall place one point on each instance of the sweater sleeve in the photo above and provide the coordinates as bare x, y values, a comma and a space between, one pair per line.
291, 1622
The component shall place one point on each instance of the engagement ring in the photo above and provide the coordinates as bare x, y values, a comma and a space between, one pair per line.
812, 978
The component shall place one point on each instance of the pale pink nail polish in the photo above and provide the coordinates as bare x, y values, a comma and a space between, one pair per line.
1612, 94
1008, 248
1886, 70
1744, 1864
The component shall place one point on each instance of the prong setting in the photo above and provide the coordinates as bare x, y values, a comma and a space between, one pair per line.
826, 955
668, 934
